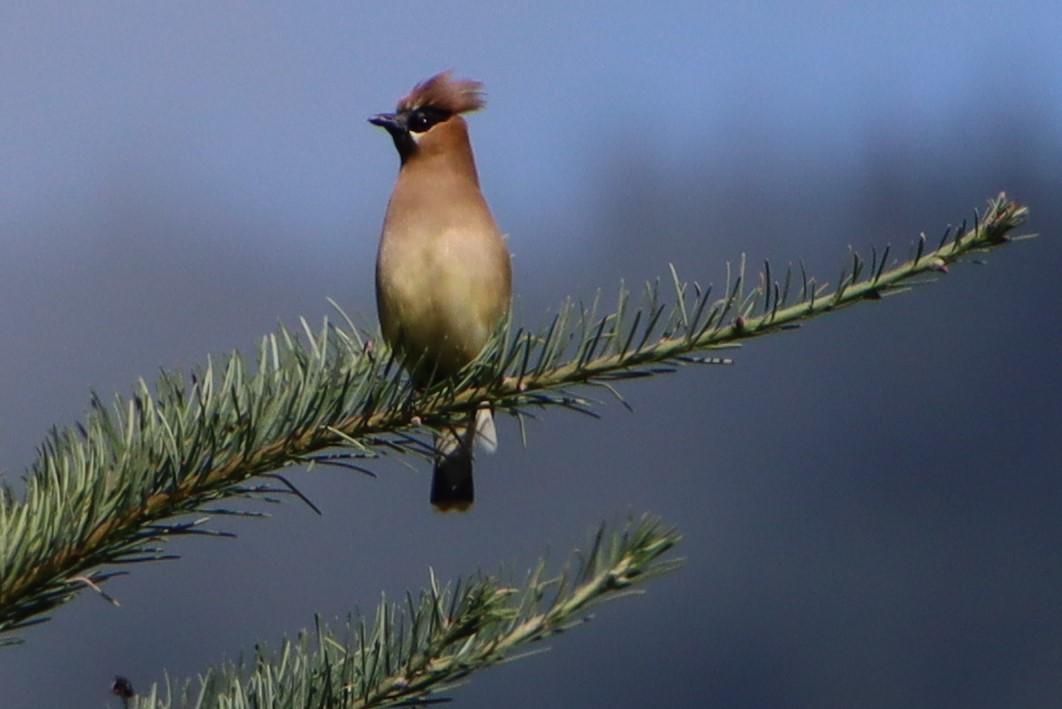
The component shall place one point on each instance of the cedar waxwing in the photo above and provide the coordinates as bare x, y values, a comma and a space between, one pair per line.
443, 272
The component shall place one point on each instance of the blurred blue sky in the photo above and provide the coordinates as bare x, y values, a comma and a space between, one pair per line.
870, 504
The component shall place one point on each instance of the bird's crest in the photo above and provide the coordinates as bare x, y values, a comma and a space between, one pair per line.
446, 93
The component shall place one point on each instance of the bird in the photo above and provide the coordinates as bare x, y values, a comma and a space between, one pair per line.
443, 269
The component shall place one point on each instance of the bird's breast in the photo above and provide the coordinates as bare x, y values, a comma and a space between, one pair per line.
441, 293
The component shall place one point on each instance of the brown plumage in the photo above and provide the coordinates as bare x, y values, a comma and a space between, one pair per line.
443, 272
445, 92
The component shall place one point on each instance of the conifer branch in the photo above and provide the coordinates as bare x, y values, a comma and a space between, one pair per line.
413, 651
113, 489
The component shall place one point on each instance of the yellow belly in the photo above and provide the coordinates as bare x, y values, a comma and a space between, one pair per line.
441, 298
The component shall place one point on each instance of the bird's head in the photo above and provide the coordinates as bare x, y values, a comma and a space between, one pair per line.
429, 117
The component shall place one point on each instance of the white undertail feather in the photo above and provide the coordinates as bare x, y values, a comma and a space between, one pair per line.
486, 433
447, 441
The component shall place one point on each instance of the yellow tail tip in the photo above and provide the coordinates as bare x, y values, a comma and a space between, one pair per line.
452, 506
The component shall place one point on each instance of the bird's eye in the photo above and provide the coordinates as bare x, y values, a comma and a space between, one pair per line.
423, 118
418, 122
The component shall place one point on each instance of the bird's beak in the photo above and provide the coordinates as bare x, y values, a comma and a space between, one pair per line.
390, 121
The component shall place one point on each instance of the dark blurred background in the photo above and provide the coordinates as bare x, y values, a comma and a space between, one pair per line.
871, 505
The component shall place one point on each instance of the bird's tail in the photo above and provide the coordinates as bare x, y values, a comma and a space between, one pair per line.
451, 484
